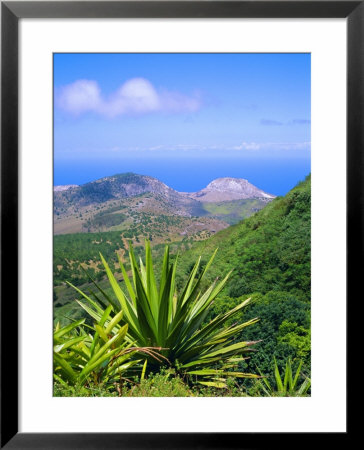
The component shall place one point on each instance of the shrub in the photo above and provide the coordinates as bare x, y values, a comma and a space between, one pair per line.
104, 356
288, 387
163, 384
159, 316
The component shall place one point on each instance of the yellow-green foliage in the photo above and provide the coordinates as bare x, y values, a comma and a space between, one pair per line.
159, 316
102, 354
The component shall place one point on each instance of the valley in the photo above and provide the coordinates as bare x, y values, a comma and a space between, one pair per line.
136, 203
106, 214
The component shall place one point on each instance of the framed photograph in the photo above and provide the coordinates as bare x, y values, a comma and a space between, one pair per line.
181, 221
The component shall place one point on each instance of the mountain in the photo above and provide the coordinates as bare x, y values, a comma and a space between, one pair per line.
121, 202
116, 187
227, 189
130, 185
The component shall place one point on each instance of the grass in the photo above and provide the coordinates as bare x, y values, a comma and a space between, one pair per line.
235, 210
164, 384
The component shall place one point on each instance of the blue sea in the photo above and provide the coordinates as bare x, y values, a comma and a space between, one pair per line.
273, 176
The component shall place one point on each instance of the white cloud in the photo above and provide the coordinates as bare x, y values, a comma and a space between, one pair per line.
273, 146
247, 146
135, 96
292, 145
250, 146
80, 96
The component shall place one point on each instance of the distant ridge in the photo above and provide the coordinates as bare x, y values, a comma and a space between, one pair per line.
118, 186
131, 184
132, 202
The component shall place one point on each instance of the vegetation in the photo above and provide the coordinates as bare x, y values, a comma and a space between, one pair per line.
77, 251
104, 356
162, 384
288, 387
236, 210
161, 317
268, 256
165, 383
268, 251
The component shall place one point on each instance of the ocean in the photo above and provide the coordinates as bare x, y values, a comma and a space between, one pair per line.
189, 175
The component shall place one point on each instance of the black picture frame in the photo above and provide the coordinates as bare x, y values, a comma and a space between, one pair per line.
11, 12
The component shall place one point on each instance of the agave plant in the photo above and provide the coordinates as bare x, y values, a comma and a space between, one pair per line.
159, 316
289, 386
103, 354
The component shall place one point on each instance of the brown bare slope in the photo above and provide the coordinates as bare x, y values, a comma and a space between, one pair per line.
120, 202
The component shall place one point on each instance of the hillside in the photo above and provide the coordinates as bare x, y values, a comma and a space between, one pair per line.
270, 258
271, 247
120, 202
116, 187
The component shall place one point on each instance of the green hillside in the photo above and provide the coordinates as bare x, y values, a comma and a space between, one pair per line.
270, 257
235, 210
268, 251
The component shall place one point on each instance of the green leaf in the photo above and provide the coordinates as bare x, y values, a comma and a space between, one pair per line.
215, 384
165, 271
121, 335
66, 368
101, 333
58, 334
67, 344
294, 383
304, 387
91, 302
278, 377
91, 366
286, 376
231, 349
126, 307
127, 282
241, 375
164, 309
102, 354
145, 316
143, 371
202, 372
113, 322
152, 291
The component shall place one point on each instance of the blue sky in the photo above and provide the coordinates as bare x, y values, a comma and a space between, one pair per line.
184, 118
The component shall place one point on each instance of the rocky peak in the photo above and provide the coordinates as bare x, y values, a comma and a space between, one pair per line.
227, 188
